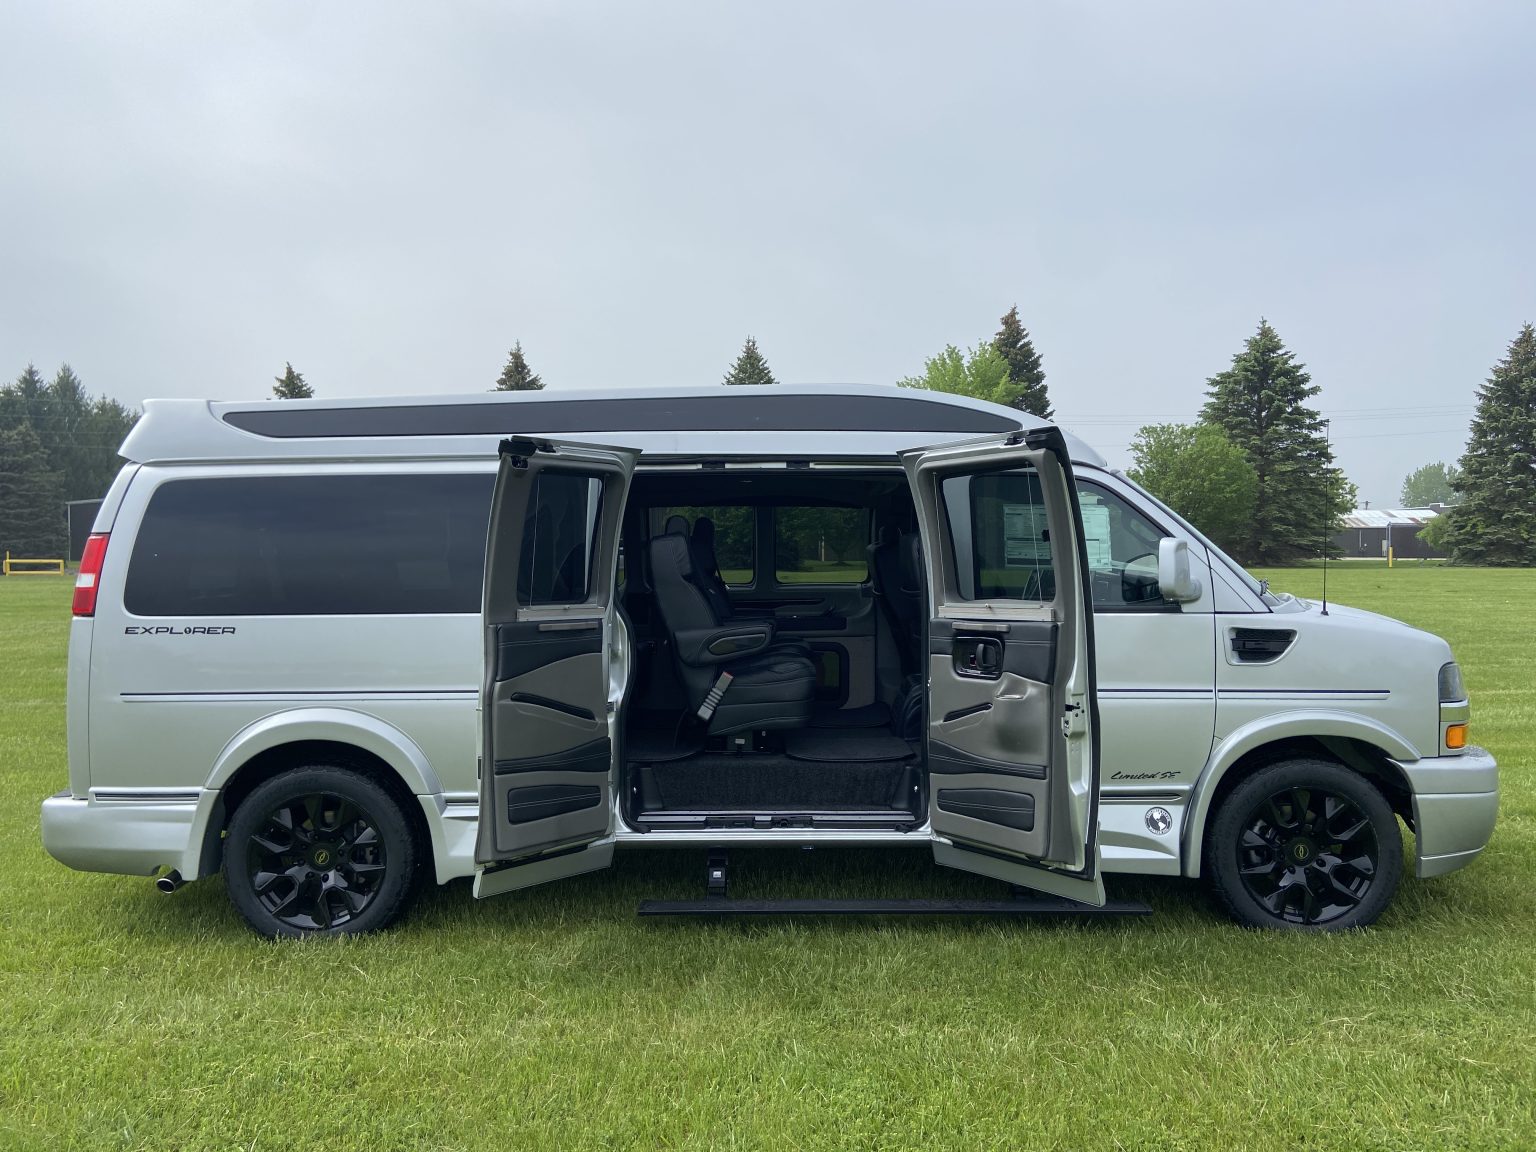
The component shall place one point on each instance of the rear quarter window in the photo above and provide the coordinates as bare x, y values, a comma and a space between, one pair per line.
311, 546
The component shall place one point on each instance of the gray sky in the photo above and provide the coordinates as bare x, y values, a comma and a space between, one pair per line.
388, 195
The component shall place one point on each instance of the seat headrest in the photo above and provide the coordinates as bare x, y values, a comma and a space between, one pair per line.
889, 534
676, 526
704, 532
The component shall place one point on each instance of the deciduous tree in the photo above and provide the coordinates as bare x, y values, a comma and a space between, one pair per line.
1432, 484
1200, 474
981, 372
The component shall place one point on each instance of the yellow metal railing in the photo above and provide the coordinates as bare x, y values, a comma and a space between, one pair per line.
50, 567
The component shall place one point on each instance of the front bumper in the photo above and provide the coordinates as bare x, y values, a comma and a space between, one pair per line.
1455, 805
135, 838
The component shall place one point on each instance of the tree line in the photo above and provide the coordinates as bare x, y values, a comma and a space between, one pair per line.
57, 443
1255, 472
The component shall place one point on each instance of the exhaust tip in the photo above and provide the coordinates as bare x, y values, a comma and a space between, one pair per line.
169, 882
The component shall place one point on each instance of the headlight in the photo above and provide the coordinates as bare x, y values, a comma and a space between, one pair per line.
1451, 687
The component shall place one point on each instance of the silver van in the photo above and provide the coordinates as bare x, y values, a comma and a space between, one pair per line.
714, 617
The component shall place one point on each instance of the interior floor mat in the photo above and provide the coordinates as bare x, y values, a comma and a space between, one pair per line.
845, 746
719, 781
657, 745
874, 715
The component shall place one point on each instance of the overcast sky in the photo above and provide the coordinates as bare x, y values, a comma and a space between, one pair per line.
389, 195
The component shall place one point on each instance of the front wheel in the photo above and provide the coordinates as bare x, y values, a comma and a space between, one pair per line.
319, 851
1305, 844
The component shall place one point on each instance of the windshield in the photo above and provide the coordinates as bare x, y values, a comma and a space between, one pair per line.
1256, 586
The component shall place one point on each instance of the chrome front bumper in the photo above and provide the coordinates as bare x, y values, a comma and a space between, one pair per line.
1455, 805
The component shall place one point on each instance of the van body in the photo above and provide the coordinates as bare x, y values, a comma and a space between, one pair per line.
319, 644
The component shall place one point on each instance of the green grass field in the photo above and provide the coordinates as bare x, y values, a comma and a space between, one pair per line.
555, 1018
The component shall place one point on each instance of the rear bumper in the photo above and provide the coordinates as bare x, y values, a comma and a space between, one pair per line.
1455, 805
135, 838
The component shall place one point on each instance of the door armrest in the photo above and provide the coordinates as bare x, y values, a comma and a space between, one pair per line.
716, 645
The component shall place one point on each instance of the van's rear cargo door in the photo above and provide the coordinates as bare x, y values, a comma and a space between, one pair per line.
1011, 737
549, 699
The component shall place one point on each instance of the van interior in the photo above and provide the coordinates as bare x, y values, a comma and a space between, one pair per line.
777, 620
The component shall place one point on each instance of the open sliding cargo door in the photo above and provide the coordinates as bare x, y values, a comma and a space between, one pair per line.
1011, 740
550, 695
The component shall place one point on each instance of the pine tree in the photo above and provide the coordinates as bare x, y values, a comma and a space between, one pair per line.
750, 367
1496, 521
1024, 370
517, 376
80, 434
291, 386
31, 497
1260, 403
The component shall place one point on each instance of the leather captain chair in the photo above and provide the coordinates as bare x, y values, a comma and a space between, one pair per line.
707, 569
768, 689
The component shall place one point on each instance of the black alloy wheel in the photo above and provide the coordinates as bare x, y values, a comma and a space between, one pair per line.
319, 851
1305, 844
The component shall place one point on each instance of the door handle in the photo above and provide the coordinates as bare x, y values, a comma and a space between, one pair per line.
978, 657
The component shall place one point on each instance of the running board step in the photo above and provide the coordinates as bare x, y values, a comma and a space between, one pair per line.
1042, 906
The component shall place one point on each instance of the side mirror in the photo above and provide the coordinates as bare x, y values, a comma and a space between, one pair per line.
1173, 576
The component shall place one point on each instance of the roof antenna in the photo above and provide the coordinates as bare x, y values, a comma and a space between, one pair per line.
1327, 509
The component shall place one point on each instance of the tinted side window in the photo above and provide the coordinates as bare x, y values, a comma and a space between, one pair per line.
821, 545
560, 539
311, 546
997, 528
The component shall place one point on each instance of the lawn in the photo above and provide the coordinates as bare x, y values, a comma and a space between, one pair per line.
555, 1018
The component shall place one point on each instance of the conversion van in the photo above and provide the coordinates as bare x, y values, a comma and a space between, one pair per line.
329, 646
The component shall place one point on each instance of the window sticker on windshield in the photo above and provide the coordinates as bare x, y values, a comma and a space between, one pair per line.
1096, 530
1024, 542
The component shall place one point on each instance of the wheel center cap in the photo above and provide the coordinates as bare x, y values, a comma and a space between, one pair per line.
322, 856
1300, 851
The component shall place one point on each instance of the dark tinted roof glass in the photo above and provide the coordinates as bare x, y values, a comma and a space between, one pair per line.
805, 413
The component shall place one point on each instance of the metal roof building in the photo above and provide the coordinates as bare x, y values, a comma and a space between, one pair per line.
1371, 531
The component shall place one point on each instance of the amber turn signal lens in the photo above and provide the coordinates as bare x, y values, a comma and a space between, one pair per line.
1456, 736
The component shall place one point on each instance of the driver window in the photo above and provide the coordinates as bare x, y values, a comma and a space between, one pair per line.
1122, 552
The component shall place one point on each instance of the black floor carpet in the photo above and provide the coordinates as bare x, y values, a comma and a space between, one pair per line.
868, 716
855, 745
658, 744
718, 781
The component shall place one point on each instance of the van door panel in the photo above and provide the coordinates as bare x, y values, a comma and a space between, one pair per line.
1011, 735
549, 706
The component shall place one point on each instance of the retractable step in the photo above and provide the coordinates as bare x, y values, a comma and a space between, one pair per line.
1029, 906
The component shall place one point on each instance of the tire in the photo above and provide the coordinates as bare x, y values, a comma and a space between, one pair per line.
319, 851
1305, 845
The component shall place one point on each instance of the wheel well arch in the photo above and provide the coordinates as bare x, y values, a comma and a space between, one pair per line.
273, 761
1355, 753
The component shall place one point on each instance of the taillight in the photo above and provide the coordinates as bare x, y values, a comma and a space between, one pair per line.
89, 578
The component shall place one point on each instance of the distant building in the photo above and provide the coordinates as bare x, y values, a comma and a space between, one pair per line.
1371, 531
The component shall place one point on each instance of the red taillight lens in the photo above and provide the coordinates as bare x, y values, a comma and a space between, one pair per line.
90, 574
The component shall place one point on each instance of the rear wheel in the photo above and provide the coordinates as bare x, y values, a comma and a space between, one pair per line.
1305, 844
319, 851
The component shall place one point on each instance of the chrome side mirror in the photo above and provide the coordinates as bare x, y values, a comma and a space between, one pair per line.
1174, 580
